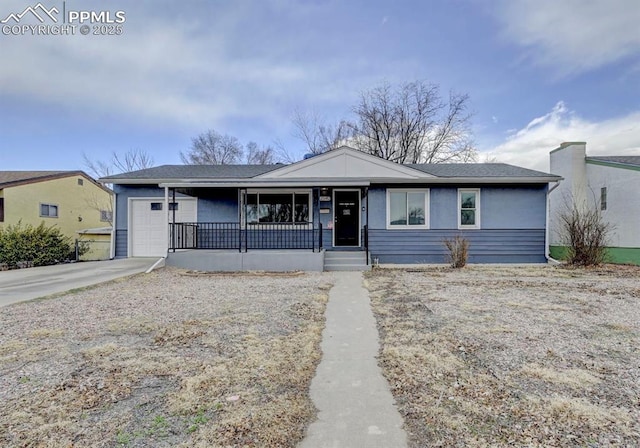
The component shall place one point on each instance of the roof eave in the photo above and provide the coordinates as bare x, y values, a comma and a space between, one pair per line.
264, 183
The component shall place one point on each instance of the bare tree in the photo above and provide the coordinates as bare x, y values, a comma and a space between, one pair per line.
412, 124
260, 156
318, 135
212, 148
585, 233
132, 160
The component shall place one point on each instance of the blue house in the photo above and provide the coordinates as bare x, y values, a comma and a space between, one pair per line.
343, 209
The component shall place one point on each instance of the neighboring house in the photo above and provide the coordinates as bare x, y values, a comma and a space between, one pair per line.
344, 207
70, 200
607, 183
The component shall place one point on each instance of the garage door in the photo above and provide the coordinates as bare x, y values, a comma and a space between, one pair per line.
148, 229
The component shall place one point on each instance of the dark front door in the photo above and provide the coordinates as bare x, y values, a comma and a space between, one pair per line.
347, 218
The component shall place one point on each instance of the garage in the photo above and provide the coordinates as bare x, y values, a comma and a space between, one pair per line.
148, 223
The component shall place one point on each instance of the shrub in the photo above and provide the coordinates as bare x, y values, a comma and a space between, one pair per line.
26, 245
585, 233
458, 248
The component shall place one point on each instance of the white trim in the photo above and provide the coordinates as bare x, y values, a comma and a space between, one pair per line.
113, 227
477, 209
333, 216
398, 170
427, 205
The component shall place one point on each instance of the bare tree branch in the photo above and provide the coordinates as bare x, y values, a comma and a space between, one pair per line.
317, 135
411, 124
260, 156
132, 160
212, 148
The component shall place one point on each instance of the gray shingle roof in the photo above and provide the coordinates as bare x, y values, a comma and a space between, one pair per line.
625, 160
476, 170
196, 172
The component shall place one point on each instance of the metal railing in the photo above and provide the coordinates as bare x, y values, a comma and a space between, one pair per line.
231, 235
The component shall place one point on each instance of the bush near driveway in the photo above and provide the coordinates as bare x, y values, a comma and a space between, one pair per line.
24, 245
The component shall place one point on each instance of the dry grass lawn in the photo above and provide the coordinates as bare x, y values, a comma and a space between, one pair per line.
171, 358
512, 356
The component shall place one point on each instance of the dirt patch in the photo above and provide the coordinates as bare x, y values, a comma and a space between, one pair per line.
517, 356
171, 358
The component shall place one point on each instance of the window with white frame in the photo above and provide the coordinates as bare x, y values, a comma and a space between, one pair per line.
48, 210
407, 208
469, 208
278, 207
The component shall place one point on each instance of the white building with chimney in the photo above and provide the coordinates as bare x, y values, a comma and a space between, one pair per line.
610, 183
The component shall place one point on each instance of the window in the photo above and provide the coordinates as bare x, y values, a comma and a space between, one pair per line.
48, 210
173, 206
156, 206
407, 209
278, 207
106, 215
469, 209
603, 198
1, 209
80, 182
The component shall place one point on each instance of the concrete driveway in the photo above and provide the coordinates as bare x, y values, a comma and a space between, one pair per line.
26, 284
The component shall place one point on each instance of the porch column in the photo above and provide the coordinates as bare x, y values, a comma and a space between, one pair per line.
166, 220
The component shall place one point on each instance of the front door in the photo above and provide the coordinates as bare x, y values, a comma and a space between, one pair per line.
347, 218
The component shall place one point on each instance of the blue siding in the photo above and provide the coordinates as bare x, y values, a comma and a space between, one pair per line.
513, 208
121, 243
485, 246
218, 205
443, 210
500, 208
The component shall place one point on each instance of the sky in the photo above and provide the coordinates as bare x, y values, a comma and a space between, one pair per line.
538, 73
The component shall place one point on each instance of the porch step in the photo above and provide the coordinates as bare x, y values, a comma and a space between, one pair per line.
345, 261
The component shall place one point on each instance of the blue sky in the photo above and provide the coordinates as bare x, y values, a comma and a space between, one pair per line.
539, 72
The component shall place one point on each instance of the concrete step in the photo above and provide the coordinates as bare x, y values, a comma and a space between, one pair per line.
346, 261
347, 267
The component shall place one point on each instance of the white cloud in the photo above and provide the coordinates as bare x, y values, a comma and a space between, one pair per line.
573, 36
530, 146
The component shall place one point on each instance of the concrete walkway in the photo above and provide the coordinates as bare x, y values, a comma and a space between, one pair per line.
20, 285
355, 403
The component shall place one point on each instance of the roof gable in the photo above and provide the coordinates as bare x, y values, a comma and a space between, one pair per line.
343, 163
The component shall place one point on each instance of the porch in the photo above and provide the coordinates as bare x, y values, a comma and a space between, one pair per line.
231, 246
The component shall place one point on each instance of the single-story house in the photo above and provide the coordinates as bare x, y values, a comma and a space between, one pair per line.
605, 183
341, 209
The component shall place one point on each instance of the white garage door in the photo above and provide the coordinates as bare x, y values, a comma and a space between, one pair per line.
148, 228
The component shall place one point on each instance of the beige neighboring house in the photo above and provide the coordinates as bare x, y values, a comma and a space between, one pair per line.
71, 200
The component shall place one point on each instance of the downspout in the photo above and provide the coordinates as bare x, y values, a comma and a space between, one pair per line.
547, 252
